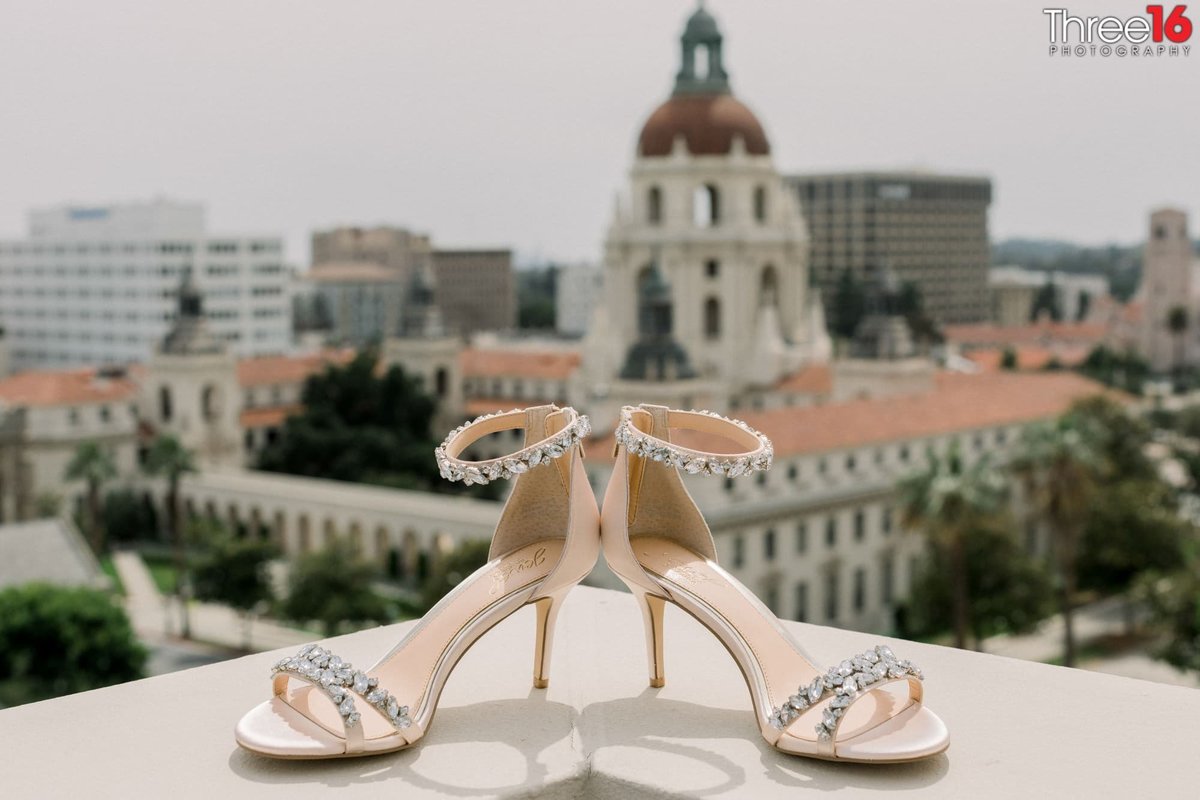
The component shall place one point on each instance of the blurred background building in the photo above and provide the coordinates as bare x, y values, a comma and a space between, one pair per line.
930, 229
96, 285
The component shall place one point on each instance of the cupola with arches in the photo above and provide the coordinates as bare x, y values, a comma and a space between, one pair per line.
706, 203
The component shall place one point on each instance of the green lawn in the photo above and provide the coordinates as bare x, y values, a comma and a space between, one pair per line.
106, 564
162, 570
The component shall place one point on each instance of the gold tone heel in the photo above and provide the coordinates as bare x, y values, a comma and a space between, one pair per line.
652, 616
547, 614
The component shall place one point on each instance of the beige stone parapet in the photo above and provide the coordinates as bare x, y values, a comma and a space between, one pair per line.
1019, 729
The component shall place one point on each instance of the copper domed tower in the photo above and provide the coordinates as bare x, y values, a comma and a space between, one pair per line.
707, 215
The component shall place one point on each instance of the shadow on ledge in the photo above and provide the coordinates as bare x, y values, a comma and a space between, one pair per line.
627, 723
529, 727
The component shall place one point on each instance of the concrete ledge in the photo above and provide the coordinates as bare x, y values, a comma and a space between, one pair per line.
1019, 729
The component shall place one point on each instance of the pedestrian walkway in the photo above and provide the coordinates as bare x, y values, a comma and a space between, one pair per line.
1103, 618
157, 618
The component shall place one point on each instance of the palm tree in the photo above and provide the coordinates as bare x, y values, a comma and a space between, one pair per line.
1060, 464
170, 459
1177, 324
94, 465
949, 501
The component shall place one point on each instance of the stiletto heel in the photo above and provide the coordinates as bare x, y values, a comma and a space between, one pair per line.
867, 708
652, 608
547, 541
547, 615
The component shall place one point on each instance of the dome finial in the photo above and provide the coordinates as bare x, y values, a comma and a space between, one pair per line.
701, 68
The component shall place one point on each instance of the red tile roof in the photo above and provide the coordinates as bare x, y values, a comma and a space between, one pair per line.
1031, 357
268, 416
989, 334
956, 403
271, 370
477, 362
813, 379
65, 387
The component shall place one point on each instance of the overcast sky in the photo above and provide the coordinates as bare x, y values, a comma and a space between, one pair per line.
513, 123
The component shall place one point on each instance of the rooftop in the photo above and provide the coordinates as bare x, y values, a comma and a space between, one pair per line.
1034, 332
66, 387
1019, 729
270, 370
956, 403
478, 362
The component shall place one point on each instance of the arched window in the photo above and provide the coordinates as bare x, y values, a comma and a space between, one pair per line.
706, 206
643, 276
654, 205
768, 286
164, 403
712, 318
441, 381
760, 204
210, 402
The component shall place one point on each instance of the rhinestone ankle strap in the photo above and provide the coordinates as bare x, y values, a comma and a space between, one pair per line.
453, 468
697, 462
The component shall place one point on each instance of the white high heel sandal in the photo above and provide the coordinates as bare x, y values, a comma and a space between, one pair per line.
545, 543
867, 708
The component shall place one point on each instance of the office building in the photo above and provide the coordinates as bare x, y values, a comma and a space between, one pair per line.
95, 285
930, 230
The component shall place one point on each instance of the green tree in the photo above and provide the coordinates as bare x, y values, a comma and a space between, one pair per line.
1061, 464
169, 459
1121, 371
233, 571
94, 465
1010, 592
1174, 602
333, 586
49, 504
911, 303
536, 290
849, 305
359, 425
1132, 527
128, 518
56, 641
949, 502
1177, 324
458, 564
1046, 303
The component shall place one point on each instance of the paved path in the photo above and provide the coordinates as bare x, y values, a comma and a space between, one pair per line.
156, 618
1102, 618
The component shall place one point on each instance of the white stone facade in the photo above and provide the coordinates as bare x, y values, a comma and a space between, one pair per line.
739, 282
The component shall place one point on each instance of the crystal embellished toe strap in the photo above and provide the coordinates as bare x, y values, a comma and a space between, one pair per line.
341, 683
757, 455
555, 446
844, 684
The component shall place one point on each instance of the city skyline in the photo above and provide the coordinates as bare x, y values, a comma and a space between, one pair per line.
290, 118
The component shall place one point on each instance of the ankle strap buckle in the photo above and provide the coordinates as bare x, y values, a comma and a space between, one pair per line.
758, 456
555, 446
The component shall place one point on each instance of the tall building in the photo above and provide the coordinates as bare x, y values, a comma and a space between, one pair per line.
394, 248
97, 285
711, 242
578, 288
476, 290
930, 230
360, 302
1167, 335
